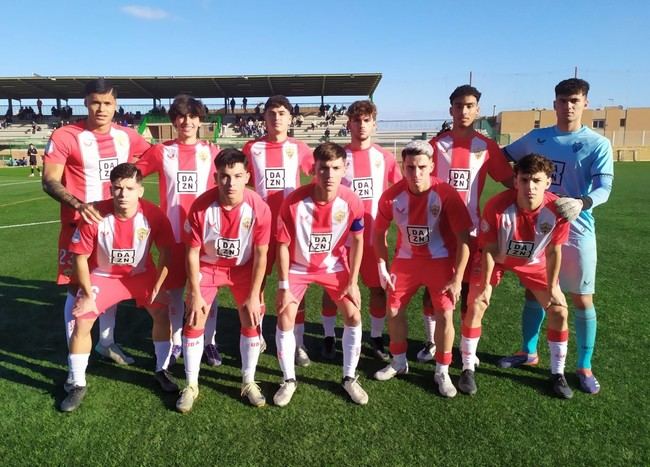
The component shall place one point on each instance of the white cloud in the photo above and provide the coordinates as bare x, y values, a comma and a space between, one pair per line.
145, 12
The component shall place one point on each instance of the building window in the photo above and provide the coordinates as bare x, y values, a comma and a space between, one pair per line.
598, 123
622, 122
536, 124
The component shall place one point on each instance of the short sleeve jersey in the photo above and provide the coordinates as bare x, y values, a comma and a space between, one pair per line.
185, 171
427, 223
275, 168
369, 172
464, 164
88, 158
578, 157
121, 247
227, 237
521, 236
316, 232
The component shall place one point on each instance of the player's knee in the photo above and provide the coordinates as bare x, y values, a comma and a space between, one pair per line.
582, 301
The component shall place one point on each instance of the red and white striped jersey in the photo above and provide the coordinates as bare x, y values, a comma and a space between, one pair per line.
275, 168
464, 164
227, 236
317, 232
369, 172
120, 247
427, 223
185, 171
521, 236
88, 158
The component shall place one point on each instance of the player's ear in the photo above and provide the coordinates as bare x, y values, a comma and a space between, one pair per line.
450, 111
140, 191
247, 177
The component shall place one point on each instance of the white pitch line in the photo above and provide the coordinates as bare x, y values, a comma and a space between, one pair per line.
27, 225
17, 183
22, 201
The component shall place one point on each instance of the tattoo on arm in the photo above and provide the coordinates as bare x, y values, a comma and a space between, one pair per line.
57, 191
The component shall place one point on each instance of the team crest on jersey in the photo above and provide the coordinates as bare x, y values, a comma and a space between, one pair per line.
246, 222
121, 140
485, 226
289, 151
479, 155
435, 210
142, 233
204, 154
339, 216
187, 227
545, 227
377, 163
577, 146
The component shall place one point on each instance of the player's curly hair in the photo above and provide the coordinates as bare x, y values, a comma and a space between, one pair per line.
534, 163
125, 170
229, 157
360, 108
186, 105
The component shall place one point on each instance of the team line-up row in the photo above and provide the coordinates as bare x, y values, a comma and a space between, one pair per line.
227, 217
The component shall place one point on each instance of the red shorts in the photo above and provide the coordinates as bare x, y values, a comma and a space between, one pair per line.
368, 270
177, 276
237, 278
112, 290
533, 278
333, 283
64, 270
410, 274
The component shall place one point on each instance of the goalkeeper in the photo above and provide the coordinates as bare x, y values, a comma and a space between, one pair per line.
583, 175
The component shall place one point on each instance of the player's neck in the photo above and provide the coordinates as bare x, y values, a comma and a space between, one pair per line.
276, 138
460, 132
419, 190
569, 127
103, 129
321, 195
230, 202
187, 140
360, 144
529, 206
126, 213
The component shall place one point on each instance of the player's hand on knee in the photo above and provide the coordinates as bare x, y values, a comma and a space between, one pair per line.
483, 298
283, 299
557, 298
196, 310
353, 294
569, 208
84, 304
386, 280
252, 309
452, 290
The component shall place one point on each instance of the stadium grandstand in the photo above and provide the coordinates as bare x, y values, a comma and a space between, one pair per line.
27, 119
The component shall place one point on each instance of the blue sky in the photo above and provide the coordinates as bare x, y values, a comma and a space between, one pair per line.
516, 50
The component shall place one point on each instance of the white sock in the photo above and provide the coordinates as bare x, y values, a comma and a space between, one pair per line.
442, 369
67, 316
78, 362
285, 341
211, 324
468, 346
377, 326
107, 326
429, 326
192, 353
399, 360
299, 333
329, 323
163, 350
351, 349
176, 314
249, 348
558, 352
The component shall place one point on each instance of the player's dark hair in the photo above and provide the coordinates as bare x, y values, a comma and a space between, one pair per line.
329, 152
465, 90
360, 108
126, 170
100, 86
229, 157
572, 86
278, 101
186, 105
534, 163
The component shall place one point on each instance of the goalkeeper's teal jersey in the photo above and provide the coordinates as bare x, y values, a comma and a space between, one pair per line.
582, 159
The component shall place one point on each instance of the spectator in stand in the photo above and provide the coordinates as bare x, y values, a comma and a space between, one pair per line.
334, 109
296, 110
244, 103
299, 120
39, 105
258, 109
321, 110
232, 105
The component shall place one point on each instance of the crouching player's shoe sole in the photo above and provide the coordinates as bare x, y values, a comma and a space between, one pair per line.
518, 359
115, 353
186, 400
254, 394
74, 398
354, 390
283, 395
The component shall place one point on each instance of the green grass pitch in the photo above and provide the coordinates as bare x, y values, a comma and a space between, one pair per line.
513, 420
